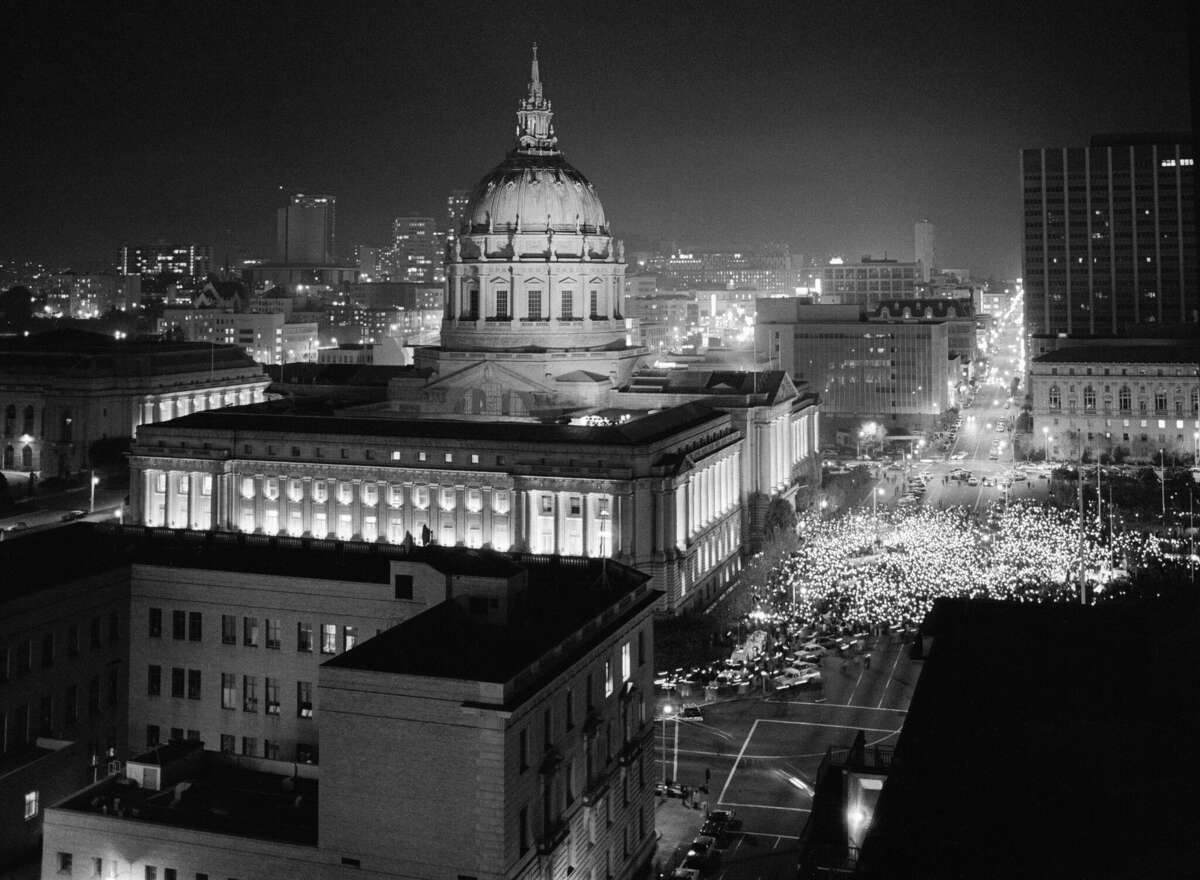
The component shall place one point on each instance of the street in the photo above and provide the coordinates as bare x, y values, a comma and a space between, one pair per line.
760, 754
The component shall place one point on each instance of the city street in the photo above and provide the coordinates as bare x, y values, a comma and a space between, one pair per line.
760, 755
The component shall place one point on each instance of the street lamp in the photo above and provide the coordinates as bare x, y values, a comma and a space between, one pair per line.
667, 710
1046, 437
95, 481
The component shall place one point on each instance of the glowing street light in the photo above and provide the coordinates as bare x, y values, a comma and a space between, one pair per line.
667, 710
95, 481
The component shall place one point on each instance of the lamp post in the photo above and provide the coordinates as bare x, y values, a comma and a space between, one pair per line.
1046, 438
94, 481
668, 709
1162, 485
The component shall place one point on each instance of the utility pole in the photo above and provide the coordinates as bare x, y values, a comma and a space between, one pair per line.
1082, 582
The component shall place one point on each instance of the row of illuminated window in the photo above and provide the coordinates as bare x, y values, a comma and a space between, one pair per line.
188, 684
189, 626
51, 714
369, 494
344, 453
17, 659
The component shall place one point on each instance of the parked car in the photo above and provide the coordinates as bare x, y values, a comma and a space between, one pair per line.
792, 676
724, 818
691, 712
16, 527
72, 515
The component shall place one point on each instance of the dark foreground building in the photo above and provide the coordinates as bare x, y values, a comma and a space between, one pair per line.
1042, 741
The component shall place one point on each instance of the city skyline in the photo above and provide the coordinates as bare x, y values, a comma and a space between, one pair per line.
931, 108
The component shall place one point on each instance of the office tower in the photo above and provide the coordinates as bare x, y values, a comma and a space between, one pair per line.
1109, 235
170, 259
923, 238
304, 230
456, 205
417, 252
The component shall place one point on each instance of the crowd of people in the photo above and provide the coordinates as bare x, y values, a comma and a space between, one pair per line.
865, 572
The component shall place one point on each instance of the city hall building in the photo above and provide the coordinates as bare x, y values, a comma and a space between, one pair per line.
527, 427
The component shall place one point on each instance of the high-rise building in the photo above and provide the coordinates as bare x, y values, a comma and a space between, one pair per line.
417, 253
305, 229
769, 269
456, 206
165, 259
923, 247
1109, 235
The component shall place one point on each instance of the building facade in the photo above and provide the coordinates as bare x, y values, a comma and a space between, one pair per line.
661, 492
64, 673
267, 337
868, 281
769, 269
898, 372
194, 260
1103, 398
924, 235
305, 230
417, 252
515, 693
62, 391
1109, 236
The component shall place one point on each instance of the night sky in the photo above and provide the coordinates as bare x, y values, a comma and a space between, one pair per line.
832, 126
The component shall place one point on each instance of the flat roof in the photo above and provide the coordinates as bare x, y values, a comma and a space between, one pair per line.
1122, 354
290, 421
72, 352
221, 798
1047, 741
563, 594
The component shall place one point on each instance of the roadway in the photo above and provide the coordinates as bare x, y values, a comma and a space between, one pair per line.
760, 754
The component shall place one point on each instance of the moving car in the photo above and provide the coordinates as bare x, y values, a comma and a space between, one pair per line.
72, 515
972, 480
691, 712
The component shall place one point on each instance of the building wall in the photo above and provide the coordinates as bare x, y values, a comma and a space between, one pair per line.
68, 414
221, 599
1141, 408
267, 337
867, 283
78, 698
561, 498
463, 816
1110, 238
897, 372
128, 848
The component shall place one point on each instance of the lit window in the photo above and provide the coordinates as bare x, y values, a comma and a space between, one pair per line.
608, 679
626, 666
31, 804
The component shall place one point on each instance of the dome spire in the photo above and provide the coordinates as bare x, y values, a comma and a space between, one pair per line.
535, 81
535, 132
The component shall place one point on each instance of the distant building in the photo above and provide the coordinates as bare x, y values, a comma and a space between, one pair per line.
456, 206
1109, 239
417, 253
959, 315
924, 234
1099, 398
305, 230
267, 337
194, 260
769, 269
868, 281
895, 371
386, 352
73, 295
63, 390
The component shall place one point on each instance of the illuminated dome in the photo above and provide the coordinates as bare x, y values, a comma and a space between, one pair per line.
534, 189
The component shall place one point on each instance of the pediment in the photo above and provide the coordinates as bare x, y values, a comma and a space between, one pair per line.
483, 373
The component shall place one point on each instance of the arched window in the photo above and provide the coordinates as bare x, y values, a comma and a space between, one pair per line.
1089, 397
1160, 401
27, 458
1055, 397
1195, 400
28, 420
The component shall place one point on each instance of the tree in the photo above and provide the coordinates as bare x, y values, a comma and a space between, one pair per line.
780, 517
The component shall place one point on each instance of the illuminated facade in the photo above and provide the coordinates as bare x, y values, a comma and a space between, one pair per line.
1110, 238
193, 260
868, 281
62, 391
305, 230
662, 492
1100, 398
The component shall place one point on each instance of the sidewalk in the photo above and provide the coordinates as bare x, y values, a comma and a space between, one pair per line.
677, 826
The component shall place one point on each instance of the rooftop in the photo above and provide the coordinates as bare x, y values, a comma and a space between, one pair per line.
288, 419
219, 797
71, 353
1122, 354
1047, 741
99, 547
563, 595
